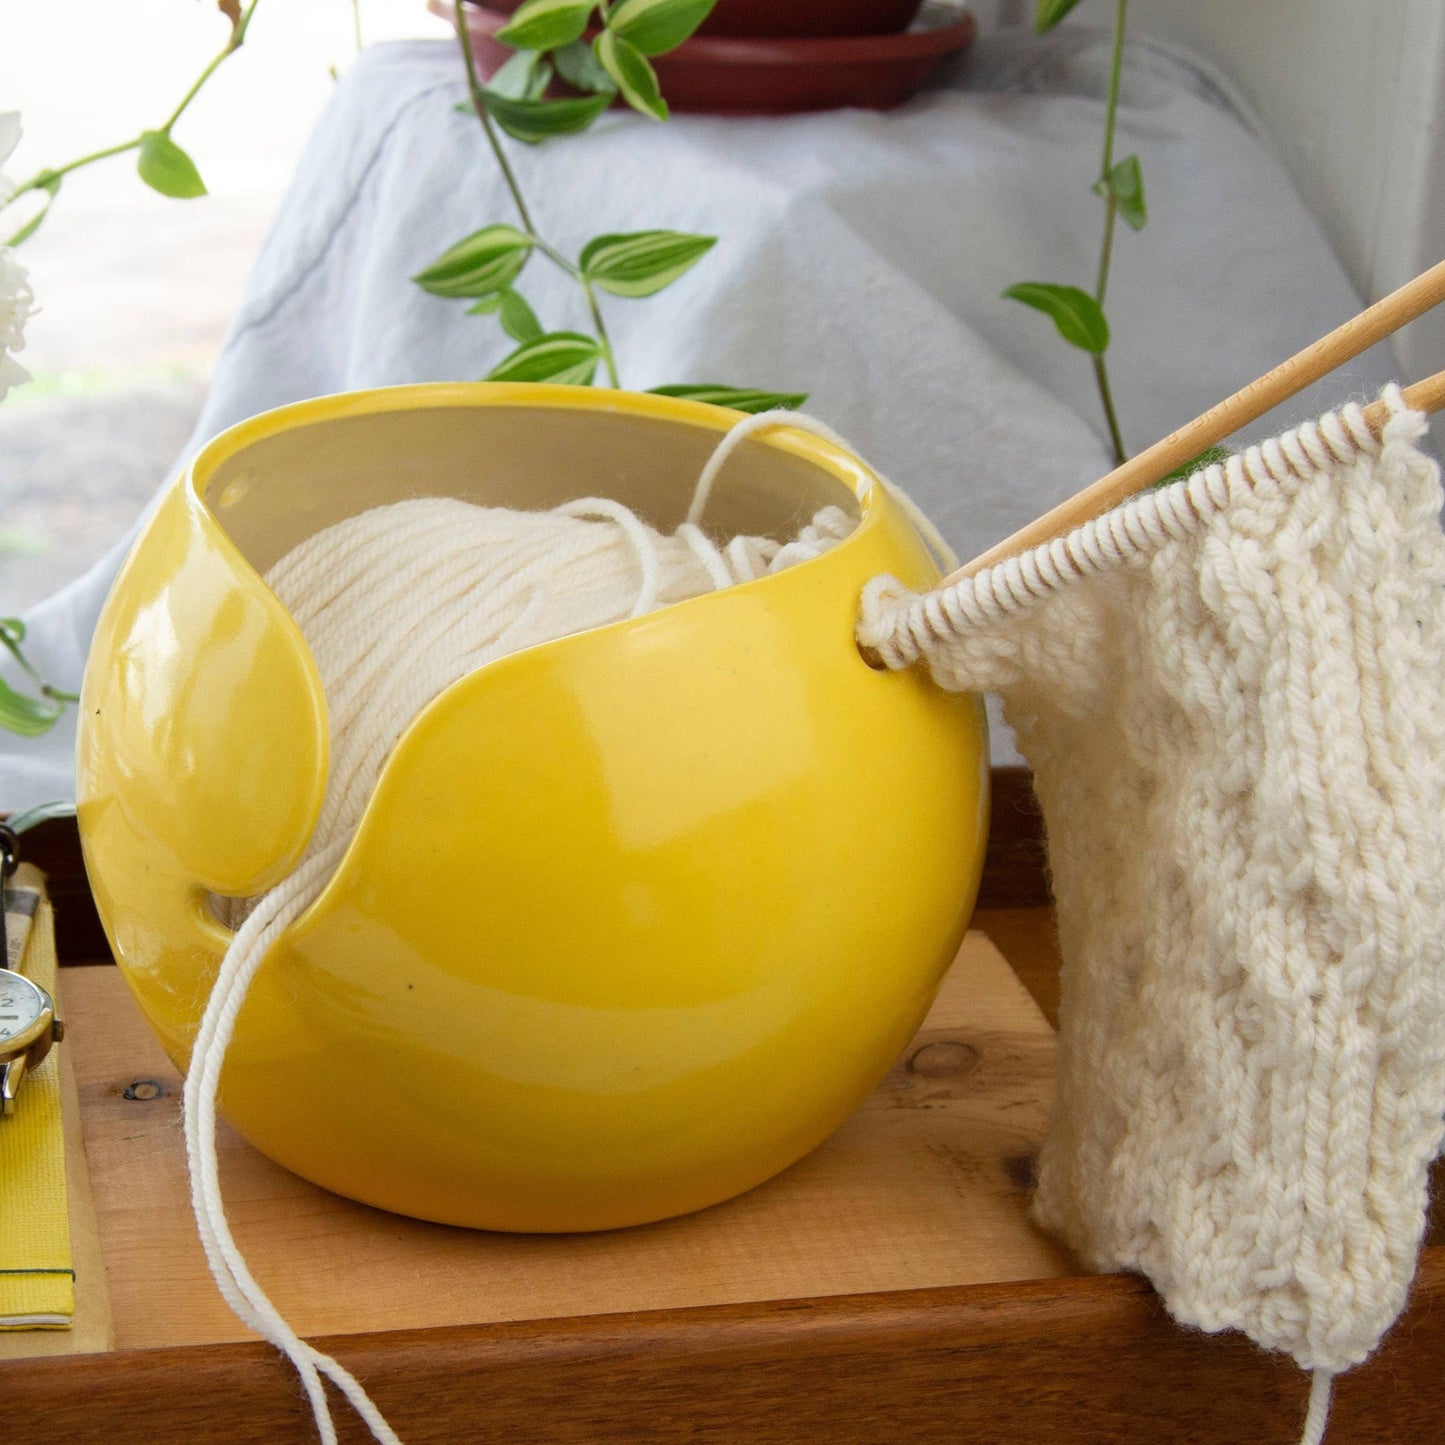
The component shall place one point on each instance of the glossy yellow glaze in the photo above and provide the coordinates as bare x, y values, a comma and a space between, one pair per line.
634, 919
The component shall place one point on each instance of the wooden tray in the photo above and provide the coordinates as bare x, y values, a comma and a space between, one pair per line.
888, 1288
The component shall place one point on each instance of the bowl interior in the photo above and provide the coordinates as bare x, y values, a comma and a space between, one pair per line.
287, 484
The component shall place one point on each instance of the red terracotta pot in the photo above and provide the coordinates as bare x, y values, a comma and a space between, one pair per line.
720, 75
810, 17
792, 17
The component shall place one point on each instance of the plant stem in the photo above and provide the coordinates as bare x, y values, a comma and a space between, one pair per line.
1106, 171
237, 39
479, 105
47, 180
508, 175
1106, 397
1101, 375
1111, 212
42, 179
607, 354
11, 643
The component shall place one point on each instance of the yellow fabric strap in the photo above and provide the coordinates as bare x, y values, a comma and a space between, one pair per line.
37, 1280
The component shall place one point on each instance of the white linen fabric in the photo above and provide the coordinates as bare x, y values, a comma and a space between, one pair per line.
861, 259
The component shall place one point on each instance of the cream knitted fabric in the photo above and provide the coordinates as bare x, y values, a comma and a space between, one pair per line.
1232, 693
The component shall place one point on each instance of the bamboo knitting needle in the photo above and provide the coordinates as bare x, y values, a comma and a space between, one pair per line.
1270, 390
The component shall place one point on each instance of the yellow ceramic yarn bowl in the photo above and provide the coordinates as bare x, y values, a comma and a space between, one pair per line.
634, 919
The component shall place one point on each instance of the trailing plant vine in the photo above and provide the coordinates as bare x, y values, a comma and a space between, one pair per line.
550, 42
165, 167
160, 162
549, 38
1077, 315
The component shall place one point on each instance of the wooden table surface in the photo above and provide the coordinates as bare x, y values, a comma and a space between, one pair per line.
888, 1288
924, 1185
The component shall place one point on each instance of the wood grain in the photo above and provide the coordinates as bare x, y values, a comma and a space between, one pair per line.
925, 1185
1081, 1360
1029, 939
1072, 1361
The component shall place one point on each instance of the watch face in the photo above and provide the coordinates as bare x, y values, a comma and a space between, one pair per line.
21, 1004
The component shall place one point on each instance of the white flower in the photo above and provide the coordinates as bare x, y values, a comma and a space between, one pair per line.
16, 297
9, 139
16, 300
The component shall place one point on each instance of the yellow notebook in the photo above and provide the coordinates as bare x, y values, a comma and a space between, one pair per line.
37, 1278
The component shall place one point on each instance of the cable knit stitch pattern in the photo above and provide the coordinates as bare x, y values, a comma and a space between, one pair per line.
1230, 690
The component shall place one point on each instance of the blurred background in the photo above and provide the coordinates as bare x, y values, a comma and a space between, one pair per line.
121, 348
127, 330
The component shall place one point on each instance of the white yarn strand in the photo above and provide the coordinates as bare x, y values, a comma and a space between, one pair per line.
1317, 1412
396, 604
799, 421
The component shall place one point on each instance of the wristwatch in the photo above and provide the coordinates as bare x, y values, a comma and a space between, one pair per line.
28, 1027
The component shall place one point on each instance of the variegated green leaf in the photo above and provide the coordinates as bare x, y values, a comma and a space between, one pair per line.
642, 262
534, 121
635, 77
566, 357
519, 321
657, 26
546, 24
27, 716
525, 76
738, 398
579, 66
486, 261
